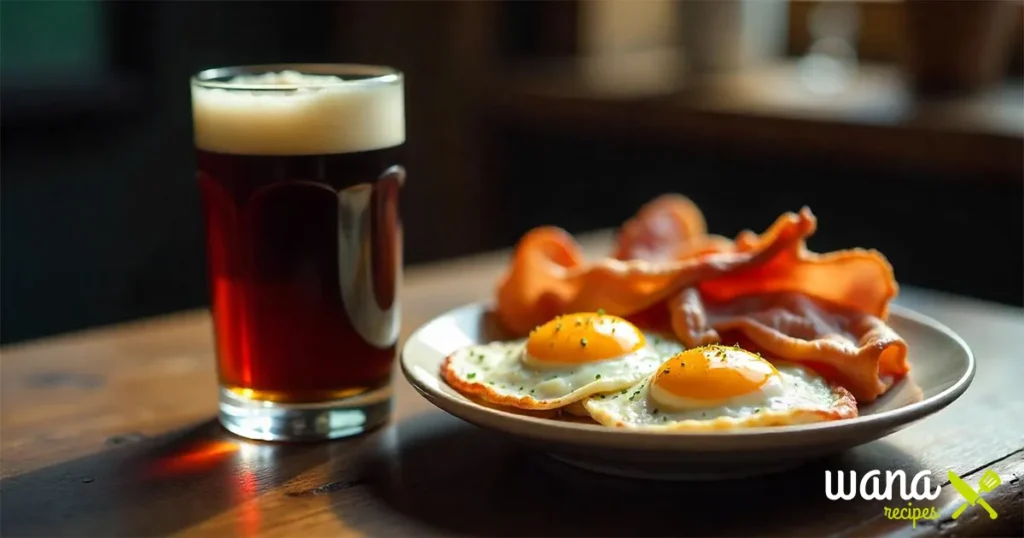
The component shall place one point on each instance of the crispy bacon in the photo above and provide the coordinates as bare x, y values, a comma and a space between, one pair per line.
855, 349
548, 275
777, 308
766, 291
670, 227
856, 279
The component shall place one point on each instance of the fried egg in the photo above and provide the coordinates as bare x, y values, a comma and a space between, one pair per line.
562, 362
722, 387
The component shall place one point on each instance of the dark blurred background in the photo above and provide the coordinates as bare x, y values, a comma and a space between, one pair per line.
901, 123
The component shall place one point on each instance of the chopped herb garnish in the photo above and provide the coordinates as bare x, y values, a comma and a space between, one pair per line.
583, 342
758, 410
520, 388
598, 376
471, 375
665, 371
578, 322
532, 391
664, 418
613, 330
600, 396
600, 311
655, 411
624, 391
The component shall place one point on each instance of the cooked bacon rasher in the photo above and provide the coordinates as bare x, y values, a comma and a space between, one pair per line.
766, 291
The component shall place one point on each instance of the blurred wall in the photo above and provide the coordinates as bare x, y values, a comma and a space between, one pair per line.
100, 212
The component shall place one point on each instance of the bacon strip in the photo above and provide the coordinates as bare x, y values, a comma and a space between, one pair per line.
767, 291
857, 279
670, 227
855, 349
548, 275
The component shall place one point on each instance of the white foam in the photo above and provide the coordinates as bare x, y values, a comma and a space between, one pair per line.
315, 116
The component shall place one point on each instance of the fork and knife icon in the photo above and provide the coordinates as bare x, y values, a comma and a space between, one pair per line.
989, 481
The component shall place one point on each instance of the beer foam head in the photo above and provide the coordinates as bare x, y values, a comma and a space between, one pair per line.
291, 113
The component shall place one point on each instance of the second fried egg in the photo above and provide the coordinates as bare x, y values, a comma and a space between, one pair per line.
563, 361
722, 387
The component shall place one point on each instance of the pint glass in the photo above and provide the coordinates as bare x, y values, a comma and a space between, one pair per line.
300, 172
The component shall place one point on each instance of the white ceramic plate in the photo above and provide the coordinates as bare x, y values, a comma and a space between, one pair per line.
942, 367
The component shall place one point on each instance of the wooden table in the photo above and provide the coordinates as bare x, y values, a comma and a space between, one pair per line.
111, 432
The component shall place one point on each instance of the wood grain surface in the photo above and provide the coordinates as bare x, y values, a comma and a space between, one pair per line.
112, 432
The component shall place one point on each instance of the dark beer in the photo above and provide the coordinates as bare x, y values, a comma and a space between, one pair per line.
283, 333
300, 191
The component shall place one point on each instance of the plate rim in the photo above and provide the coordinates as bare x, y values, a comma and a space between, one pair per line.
546, 429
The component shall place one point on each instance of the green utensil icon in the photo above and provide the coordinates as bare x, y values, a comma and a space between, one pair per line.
989, 481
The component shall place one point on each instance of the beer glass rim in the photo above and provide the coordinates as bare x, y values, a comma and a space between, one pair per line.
214, 78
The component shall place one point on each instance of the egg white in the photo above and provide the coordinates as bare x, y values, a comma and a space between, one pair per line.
500, 373
801, 396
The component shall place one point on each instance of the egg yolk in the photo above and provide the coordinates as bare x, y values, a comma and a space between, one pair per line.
582, 338
713, 373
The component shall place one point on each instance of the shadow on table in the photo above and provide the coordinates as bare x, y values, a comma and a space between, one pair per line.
461, 479
150, 486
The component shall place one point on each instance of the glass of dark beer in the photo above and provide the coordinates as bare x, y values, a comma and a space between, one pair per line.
300, 174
